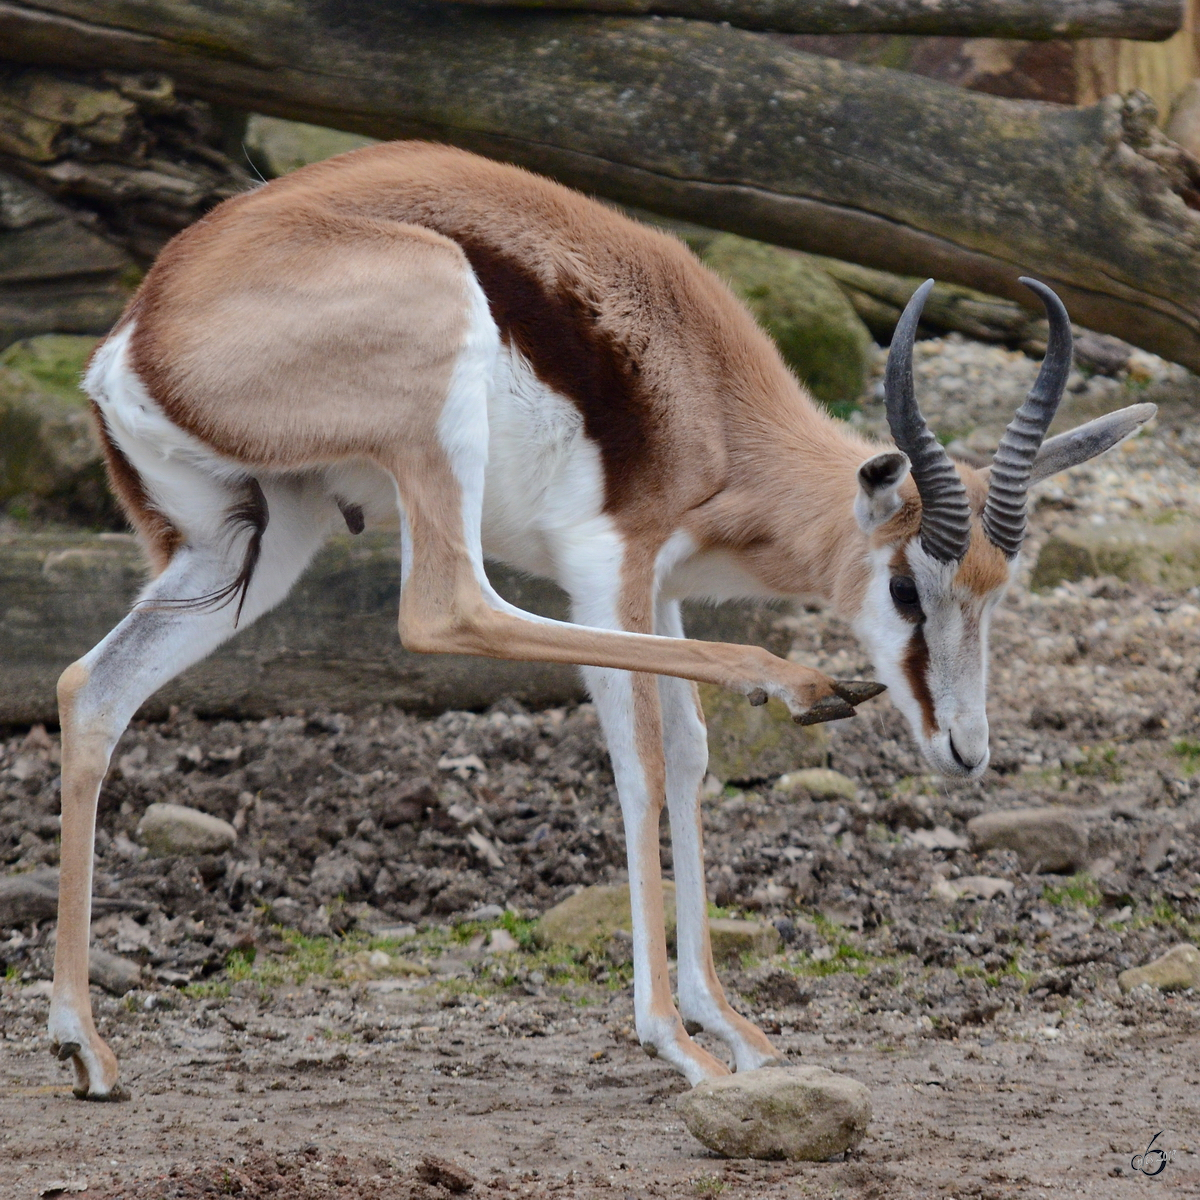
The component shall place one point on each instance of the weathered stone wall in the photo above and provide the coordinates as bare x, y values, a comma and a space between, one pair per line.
332, 643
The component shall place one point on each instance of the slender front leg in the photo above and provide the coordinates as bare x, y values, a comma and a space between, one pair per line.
629, 713
701, 998
607, 592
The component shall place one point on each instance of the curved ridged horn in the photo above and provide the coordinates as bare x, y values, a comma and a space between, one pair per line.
1004, 512
945, 513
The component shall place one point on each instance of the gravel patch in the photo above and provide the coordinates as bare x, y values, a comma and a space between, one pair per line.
999, 1017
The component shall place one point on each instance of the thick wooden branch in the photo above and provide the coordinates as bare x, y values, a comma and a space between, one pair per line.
1031, 20
730, 129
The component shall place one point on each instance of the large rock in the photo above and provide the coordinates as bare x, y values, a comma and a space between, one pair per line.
817, 331
278, 146
176, 829
48, 444
749, 742
733, 938
819, 782
1045, 839
1174, 971
595, 914
331, 644
1166, 555
794, 1113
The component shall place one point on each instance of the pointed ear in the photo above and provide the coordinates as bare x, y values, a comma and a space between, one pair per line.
1087, 441
879, 481
1078, 445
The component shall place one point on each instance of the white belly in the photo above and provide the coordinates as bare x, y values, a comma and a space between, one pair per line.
545, 480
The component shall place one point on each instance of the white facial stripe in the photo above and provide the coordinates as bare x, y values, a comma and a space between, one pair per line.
953, 667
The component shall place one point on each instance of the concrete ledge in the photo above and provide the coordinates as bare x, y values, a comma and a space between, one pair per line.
331, 644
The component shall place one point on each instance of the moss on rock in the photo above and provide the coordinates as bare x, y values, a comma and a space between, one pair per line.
747, 743
48, 446
817, 331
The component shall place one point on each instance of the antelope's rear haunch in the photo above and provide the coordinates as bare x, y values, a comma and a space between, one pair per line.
531, 377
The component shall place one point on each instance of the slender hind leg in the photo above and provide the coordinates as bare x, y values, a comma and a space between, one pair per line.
701, 998
100, 693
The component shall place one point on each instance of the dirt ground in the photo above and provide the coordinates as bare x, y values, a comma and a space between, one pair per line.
268, 1053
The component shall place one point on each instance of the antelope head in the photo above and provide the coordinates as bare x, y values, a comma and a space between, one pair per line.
944, 541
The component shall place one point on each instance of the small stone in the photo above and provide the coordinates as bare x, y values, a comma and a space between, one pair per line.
938, 838
335, 874
595, 914
1045, 839
819, 782
778, 987
749, 742
176, 829
500, 941
113, 973
287, 912
1174, 971
970, 887
378, 964
731, 939
489, 912
32, 896
442, 1173
805, 1113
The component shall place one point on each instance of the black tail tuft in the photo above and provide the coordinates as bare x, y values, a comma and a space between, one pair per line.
250, 513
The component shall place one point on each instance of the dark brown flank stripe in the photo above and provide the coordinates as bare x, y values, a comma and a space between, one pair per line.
916, 668
162, 537
559, 333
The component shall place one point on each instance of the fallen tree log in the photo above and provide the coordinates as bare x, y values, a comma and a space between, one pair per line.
331, 644
730, 129
1029, 20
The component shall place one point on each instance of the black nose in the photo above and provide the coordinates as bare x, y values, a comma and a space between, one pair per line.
958, 758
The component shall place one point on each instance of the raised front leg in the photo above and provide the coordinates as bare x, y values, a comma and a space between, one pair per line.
702, 1001
97, 697
448, 606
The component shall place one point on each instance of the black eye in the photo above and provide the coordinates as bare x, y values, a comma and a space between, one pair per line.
905, 597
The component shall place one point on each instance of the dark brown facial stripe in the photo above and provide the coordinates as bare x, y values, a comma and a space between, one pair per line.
558, 331
916, 670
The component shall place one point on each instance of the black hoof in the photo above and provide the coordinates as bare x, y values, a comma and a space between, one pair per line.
831, 708
856, 691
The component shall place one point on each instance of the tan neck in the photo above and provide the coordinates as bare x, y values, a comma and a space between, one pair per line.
787, 510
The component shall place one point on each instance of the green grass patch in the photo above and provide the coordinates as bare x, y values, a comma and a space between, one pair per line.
1189, 751
1079, 889
207, 989
524, 932
1098, 762
846, 958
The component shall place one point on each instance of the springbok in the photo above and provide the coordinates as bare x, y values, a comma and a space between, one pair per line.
527, 375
